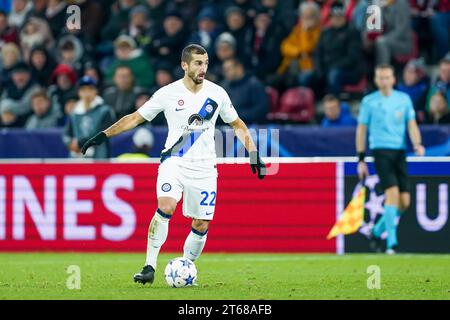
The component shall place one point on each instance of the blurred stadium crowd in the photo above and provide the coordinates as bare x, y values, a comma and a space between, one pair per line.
278, 60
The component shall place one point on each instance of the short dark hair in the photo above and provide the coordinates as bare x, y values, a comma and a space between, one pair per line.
236, 61
40, 94
385, 66
123, 66
68, 45
189, 50
330, 97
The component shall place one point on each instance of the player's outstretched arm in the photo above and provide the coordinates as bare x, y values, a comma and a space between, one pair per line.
416, 138
124, 124
241, 130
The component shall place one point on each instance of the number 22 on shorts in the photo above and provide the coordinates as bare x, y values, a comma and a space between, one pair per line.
206, 195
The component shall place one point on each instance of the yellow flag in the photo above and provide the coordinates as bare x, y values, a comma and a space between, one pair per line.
352, 217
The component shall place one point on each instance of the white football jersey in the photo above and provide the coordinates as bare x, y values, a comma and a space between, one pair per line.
191, 118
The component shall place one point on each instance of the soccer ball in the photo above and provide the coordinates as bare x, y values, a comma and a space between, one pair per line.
180, 272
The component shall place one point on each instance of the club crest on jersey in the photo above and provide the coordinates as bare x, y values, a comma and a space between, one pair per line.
166, 187
180, 102
208, 109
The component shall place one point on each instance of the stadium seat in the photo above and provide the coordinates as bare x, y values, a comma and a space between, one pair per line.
274, 106
404, 58
296, 105
358, 88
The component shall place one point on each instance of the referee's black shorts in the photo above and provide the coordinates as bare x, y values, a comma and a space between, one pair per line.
391, 168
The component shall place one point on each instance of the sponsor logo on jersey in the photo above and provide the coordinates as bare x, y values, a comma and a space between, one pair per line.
195, 119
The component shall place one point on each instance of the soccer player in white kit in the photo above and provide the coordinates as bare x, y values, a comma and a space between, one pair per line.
191, 106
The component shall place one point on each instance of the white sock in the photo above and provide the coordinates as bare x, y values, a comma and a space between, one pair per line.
194, 244
157, 235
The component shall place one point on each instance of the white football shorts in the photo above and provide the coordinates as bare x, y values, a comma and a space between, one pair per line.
198, 188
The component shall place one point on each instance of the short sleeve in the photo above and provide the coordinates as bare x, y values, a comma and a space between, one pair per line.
364, 113
152, 107
410, 113
227, 111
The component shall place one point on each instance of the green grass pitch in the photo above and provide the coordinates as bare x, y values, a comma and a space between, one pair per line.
228, 276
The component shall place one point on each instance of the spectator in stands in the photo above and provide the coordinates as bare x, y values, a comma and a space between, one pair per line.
266, 39
142, 98
247, 6
416, 84
119, 19
122, 94
225, 48
56, 16
396, 36
157, 10
89, 116
39, 8
297, 66
442, 83
7, 33
440, 26
246, 91
91, 21
17, 95
71, 102
139, 26
42, 65
35, 32
127, 54
45, 115
283, 13
439, 109
8, 119
168, 43
91, 69
358, 17
10, 55
143, 140
20, 12
63, 80
237, 25
189, 10
70, 51
207, 30
336, 113
338, 49
163, 76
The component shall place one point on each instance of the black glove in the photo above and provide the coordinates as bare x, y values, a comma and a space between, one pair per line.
257, 164
99, 138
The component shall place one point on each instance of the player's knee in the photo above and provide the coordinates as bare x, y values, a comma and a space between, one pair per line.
167, 209
404, 203
392, 196
200, 225
392, 193
167, 205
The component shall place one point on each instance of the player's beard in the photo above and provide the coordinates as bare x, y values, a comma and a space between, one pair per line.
196, 79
